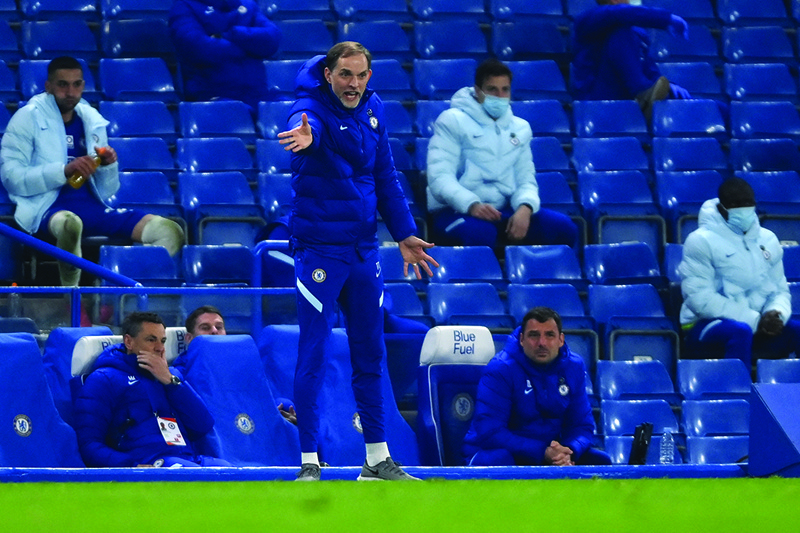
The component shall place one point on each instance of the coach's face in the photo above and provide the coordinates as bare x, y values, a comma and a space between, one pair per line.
349, 79
541, 341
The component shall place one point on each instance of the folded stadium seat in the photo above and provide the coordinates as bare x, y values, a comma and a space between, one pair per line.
9, 43
274, 193
220, 118
297, 9
33, 74
607, 302
688, 153
302, 39
635, 380
537, 80
688, 118
217, 265
367, 10
549, 156
753, 12
752, 120
619, 207
609, 118
9, 11
471, 10
272, 158
150, 192
400, 299
450, 39
220, 208
18, 324
778, 199
555, 263
778, 370
44, 39
427, 111
468, 304
791, 262
621, 264
390, 80
215, 154
680, 194
467, 264
34, 434
139, 119
227, 372
398, 121
555, 193
528, 39
763, 155
761, 44
385, 39
544, 11
144, 154
57, 359
137, 78
619, 448
717, 450
272, 117
697, 77
620, 417
701, 46
546, 117
713, 379
392, 268
281, 76
695, 12
54, 9
340, 437
133, 9
145, 37
602, 153
714, 418
439, 79
450, 367
759, 81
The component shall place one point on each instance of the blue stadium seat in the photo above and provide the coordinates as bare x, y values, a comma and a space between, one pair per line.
445, 9
220, 208
680, 195
50, 9
149, 191
272, 117
5, 116
637, 338
271, 157
762, 44
390, 80
12, 258
607, 301
759, 81
302, 39
688, 153
448, 383
575, 7
543, 10
134, 9
467, 264
146, 37
778, 201
697, 77
536, 80
144, 153
399, 123
549, 156
9, 11
778, 370
546, 117
555, 193
35, 434
421, 153
427, 113
673, 255
556, 263
468, 304
621, 264
281, 77
688, 118
149, 265
214, 264
528, 39
392, 268
214, 154
342, 444
602, 153
791, 262
9, 43
439, 79
713, 379
45, 39
620, 417
714, 418
763, 155
385, 39
609, 118
137, 78
274, 194
563, 297
33, 74
220, 118
753, 120
297, 9
717, 450
752, 12
695, 12
400, 299
139, 119
367, 10
701, 46
273, 266
402, 159
619, 448
450, 39
635, 380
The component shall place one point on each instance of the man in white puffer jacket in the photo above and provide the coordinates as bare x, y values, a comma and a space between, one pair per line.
736, 298
482, 186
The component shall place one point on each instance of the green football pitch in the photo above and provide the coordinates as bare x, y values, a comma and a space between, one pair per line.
673, 505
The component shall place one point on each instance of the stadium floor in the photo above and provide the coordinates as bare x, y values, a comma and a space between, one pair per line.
17, 475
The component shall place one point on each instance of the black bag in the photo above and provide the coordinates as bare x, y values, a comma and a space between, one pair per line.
641, 442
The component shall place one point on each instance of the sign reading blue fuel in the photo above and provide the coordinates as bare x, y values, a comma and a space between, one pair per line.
463, 343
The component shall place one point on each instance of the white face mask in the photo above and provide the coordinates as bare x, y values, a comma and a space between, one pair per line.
742, 218
495, 106
635, 2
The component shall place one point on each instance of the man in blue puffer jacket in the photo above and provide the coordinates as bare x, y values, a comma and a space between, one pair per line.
343, 175
532, 407
134, 410
221, 46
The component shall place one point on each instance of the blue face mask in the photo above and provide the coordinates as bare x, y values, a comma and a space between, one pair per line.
496, 106
742, 218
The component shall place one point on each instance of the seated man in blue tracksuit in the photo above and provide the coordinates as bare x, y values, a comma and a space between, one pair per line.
532, 407
135, 410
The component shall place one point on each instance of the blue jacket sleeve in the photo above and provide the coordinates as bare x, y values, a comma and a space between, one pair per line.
598, 22
578, 427
392, 202
190, 408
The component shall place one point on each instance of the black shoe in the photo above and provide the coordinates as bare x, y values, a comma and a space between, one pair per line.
385, 470
308, 472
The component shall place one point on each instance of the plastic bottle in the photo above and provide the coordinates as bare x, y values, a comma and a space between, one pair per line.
76, 180
14, 305
667, 449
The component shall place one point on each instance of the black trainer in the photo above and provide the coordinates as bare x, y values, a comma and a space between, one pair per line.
386, 470
308, 472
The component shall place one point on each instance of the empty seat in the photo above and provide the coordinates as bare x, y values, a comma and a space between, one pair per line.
791, 262
711, 418
392, 268
778, 200
607, 301
619, 448
539, 79
555, 193
400, 299
543, 10
713, 379
9, 11
609, 118
439, 79
621, 417
139, 78
214, 264
751, 120
763, 155
149, 191
680, 195
144, 153
302, 39
750, 12
695, 12
635, 380
144, 37
561, 297
45, 39
272, 117
398, 121
549, 156
556, 263
139, 119
701, 45
717, 450
778, 370
688, 118
546, 117
9, 43
528, 39
465, 264
475, 304
621, 263
214, 154
366, 10
298, 9
132, 9
149, 265
602, 153
697, 77
759, 81
33, 74
281, 77
275, 194
688, 153
427, 113
450, 39
445, 9
220, 118
390, 80
271, 157
385, 39
761, 44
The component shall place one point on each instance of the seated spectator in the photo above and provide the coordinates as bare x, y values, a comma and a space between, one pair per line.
482, 186
134, 410
532, 407
736, 299
611, 53
58, 138
221, 46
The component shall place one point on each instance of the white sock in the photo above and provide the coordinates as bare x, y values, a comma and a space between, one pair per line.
160, 231
377, 452
67, 228
310, 457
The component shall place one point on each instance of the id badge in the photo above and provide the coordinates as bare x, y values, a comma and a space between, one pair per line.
171, 432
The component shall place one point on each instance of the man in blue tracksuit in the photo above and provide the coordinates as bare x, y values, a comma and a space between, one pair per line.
343, 175
532, 407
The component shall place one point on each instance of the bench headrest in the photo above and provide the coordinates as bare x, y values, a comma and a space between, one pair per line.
457, 345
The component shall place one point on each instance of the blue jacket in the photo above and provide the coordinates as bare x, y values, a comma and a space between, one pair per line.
611, 51
221, 47
521, 407
114, 413
347, 176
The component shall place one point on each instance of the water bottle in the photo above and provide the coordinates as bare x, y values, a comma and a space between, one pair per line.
14, 305
667, 449
77, 180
